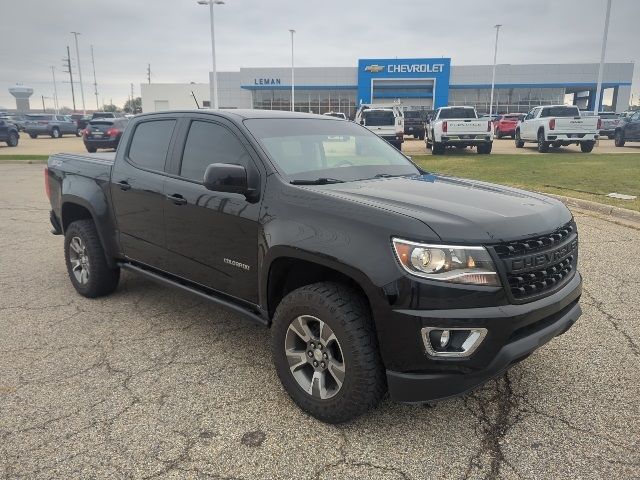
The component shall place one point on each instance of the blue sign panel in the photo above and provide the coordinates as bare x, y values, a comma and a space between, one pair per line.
404, 78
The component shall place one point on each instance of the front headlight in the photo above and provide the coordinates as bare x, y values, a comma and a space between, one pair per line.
471, 265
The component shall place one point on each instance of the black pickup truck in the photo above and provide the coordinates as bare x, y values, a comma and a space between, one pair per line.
414, 123
372, 274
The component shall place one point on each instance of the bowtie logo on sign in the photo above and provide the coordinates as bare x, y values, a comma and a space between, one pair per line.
374, 68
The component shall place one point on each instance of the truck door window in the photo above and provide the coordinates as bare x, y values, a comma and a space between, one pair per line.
209, 143
150, 144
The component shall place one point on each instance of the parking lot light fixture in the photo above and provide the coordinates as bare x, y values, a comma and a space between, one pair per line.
214, 75
493, 75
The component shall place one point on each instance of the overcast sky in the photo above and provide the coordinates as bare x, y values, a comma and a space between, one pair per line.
173, 35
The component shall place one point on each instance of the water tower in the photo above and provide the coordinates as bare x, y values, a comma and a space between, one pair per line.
22, 94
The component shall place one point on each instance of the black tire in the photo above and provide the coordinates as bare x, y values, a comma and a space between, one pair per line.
79, 132
421, 136
101, 279
518, 140
611, 137
438, 148
619, 139
347, 315
33, 135
587, 147
485, 149
55, 132
543, 146
92, 149
498, 134
12, 141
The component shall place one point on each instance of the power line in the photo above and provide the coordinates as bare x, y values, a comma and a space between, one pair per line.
148, 73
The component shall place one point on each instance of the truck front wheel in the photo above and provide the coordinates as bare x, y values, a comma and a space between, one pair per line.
325, 352
586, 147
518, 139
86, 262
619, 139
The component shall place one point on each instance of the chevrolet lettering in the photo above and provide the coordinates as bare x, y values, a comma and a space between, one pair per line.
372, 274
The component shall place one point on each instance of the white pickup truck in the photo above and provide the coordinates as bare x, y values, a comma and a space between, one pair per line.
558, 126
459, 127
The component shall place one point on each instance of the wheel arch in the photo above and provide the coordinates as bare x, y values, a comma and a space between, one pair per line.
287, 269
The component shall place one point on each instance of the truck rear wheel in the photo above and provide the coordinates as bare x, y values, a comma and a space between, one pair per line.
587, 147
543, 146
33, 135
485, 148
55, 132
437, 148
86, 262
325, 352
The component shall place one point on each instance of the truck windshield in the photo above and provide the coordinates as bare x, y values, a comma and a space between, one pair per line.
378, 118
560, 112
447, 113
309, 149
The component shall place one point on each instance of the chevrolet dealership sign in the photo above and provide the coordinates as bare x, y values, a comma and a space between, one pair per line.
430, 75
407, 68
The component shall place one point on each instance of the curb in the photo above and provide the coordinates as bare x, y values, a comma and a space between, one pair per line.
23, 162
622, 216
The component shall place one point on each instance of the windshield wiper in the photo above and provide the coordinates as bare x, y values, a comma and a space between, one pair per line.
317, 181
388, 175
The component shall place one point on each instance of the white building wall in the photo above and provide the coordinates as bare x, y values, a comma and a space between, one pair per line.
172, 96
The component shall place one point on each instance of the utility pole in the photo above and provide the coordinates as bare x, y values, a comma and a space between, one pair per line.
148, 73
68, 70
596, 107
44, 110
493, 75
133, 109
84, 109
292, 75
95, 82
55, 90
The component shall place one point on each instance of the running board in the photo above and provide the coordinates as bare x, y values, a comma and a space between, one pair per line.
214, 299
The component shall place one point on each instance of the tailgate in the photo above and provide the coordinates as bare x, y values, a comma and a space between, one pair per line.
576, 124
467, 126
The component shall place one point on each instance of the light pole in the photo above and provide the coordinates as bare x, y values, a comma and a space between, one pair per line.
596, 106
493, 75
55, 89
292, 74
84, 110
214, 77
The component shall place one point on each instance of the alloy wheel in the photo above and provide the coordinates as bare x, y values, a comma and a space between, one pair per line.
315, 357
79, 260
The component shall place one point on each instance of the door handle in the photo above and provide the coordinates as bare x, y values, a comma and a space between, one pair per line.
177, 199
123, 184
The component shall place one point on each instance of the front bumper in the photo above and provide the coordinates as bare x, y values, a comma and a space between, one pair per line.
514, 331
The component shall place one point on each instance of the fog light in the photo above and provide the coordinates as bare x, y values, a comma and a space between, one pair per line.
444, 338
452, 342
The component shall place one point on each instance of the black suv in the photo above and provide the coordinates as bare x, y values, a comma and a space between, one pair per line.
414, 123
373, 274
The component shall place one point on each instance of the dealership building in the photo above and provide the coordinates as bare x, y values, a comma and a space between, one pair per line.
415, 83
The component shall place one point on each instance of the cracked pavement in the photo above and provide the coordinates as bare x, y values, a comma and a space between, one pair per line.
154, 383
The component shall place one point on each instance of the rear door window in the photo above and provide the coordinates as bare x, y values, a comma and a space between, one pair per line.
379, 118
150, 144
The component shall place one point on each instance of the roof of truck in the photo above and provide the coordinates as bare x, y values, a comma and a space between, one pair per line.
241, 114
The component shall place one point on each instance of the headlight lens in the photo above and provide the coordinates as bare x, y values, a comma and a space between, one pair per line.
470, 265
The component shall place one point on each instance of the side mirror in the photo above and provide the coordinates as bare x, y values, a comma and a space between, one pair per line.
226, 177
362, 122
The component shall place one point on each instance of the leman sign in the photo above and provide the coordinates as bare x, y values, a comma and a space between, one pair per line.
266, 81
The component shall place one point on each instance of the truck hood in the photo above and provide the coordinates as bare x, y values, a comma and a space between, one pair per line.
459, 210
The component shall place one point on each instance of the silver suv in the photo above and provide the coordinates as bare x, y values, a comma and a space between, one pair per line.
49, 124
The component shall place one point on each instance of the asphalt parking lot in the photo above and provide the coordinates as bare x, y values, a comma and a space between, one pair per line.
151, 382
69, 143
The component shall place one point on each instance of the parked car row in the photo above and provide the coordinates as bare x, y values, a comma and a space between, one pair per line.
103, 132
